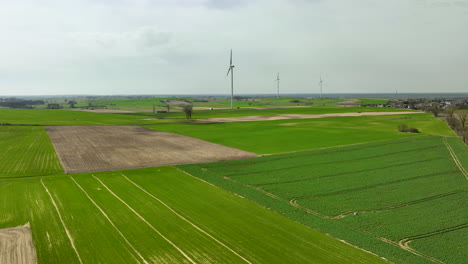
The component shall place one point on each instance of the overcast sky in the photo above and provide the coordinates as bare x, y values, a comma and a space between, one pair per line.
182, 46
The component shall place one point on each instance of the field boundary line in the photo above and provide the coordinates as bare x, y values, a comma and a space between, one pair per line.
186, 220
70, 238
110, 221
455, 159
144, 220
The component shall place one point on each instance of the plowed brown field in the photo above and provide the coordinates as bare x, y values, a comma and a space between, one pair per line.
16, 245
105, 148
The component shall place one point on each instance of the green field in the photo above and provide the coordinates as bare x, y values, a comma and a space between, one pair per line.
26, 151
148, 103
158, 215
277, 111
68, 117
407, 189
265, 137
398, 195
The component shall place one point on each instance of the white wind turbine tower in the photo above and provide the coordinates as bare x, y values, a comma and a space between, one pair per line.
231, 69
278, 79
320, 83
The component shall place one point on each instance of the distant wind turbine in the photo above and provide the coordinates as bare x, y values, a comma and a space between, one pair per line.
231, 69
320, 83
278, 79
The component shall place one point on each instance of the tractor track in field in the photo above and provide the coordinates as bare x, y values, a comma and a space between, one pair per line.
404, 243
341, 174
375, 185
146, 222
186, 220
391, 207
455, 158
112, 223
70, 238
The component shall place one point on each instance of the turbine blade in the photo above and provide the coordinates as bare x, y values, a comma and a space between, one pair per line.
228, 71
230, 62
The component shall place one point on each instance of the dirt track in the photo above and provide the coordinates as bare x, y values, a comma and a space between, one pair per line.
295, 116
105, 148
16, 245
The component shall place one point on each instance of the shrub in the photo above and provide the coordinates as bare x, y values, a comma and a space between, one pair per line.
412, 130
402, 128
405, 128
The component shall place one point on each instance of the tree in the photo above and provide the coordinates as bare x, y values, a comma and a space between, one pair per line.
435, 110
462, 117
72, 103
188, 110
450, 111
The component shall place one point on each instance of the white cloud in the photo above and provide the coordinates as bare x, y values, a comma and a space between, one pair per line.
182, 46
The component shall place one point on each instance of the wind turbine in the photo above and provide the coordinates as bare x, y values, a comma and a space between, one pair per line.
231, 69
278, 79
320, 83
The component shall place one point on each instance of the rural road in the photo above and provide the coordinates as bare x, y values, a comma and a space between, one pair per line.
294, 116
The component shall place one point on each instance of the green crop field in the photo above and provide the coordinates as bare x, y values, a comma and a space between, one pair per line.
158, 215
265, 137
395, 198
68, 117
25, 151
148, 103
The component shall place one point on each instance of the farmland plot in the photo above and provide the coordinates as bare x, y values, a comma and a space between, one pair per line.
105, 148
279, 136
26, 151
385, 196
158, 215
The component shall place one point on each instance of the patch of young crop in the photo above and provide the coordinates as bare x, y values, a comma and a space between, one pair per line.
84, 221
356, 237
369, 150
353, 182
405, 194
329, 169
414, 220
450, 246
387, 197
26, 151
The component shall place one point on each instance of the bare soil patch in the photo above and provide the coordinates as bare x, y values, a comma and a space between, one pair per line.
349, 102
16, 245
106, 148
176, 102
295, 116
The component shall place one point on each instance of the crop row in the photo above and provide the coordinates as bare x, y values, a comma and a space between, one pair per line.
26, 151
389, 196
271, 163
